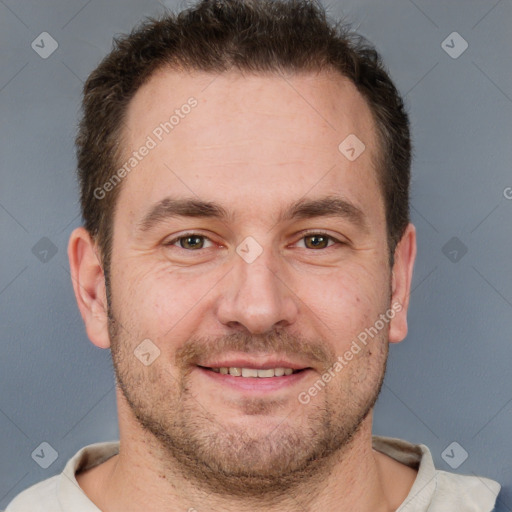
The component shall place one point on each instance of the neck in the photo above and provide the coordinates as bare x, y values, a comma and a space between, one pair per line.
142, 478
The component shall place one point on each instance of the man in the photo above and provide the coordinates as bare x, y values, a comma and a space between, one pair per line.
247, 256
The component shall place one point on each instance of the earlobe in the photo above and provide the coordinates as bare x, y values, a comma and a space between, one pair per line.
89, 286
401, 279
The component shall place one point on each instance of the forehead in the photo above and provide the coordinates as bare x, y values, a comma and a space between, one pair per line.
329, 102
261, 135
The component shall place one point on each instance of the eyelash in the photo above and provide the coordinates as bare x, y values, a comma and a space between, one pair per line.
170, 243
320, 233
304, 235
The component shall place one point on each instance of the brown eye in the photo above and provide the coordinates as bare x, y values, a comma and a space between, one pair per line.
192, 242
317, 241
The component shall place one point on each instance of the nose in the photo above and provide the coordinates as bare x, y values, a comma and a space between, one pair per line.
257, 296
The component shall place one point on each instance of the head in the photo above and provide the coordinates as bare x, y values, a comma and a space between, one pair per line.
250, 113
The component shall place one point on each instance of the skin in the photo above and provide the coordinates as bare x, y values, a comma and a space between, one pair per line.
254, 144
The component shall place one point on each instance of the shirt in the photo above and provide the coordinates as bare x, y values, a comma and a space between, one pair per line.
432, 491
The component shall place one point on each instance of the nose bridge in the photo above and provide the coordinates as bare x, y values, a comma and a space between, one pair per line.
256, 296
260, 278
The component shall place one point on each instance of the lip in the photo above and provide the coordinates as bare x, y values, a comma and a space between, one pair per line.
262, 364
255, 385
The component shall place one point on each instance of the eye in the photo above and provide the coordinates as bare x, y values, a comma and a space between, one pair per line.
318, 241
190, 241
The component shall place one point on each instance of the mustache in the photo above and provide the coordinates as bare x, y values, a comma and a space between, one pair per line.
284, 343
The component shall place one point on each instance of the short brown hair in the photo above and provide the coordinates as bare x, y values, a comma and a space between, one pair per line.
246, 35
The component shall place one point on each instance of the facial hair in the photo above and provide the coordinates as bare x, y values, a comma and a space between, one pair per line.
231, 459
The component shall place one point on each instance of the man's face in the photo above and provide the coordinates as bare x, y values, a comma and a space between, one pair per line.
256, 288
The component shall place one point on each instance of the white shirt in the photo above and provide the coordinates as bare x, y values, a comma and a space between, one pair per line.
433, 490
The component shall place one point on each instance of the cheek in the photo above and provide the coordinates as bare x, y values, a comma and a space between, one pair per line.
161, 304
345, 302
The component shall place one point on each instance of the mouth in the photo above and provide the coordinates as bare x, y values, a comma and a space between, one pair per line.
255, 381
260, 373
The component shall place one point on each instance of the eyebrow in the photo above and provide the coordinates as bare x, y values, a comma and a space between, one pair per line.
329, 206
179, 207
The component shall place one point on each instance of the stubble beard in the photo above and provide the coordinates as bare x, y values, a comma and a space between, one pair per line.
229, 459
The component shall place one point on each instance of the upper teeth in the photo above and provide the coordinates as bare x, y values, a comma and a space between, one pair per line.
254, 372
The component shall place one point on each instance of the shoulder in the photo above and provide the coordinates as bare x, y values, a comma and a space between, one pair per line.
464, 492
62, 491
436, 490
40, 497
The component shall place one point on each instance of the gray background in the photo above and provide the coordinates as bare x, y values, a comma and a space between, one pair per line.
450, 380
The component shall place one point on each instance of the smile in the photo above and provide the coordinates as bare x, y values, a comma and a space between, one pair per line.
261, 373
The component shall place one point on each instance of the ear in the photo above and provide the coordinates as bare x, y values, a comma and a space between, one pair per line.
405, 254
89, 286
